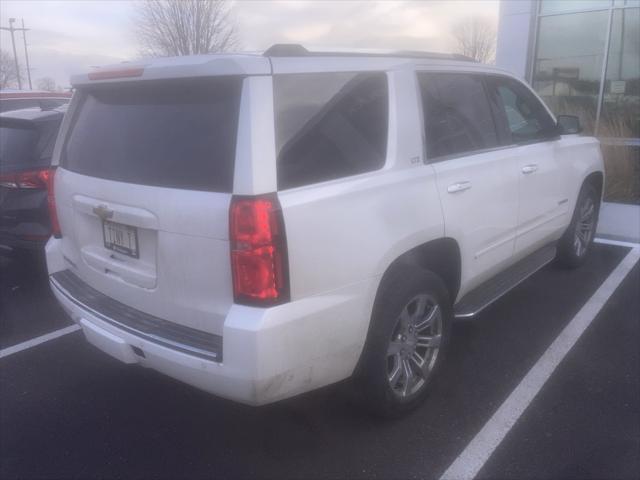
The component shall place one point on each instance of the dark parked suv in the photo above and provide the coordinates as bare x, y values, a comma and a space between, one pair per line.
27, 138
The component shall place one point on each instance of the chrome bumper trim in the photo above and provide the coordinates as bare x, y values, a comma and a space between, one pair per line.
157, 330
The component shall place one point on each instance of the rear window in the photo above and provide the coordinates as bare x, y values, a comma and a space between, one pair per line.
329, 125
178, 133
25, 146
8, 104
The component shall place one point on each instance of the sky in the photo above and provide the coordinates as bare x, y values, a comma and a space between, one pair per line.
71, 36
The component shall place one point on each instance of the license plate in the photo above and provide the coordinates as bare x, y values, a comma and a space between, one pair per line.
120, 238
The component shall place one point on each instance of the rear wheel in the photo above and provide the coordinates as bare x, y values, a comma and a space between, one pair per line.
576, 241
408, 336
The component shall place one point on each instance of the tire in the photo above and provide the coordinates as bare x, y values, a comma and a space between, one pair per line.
575, 244
411, 322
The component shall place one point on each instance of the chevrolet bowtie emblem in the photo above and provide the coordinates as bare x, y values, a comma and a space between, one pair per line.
103, 212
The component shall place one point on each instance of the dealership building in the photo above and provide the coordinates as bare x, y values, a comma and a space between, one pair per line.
583, 58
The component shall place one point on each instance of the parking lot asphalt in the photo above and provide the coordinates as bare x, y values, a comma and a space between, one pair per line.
68, 410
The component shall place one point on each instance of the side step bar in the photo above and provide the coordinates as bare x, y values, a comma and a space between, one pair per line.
477, 300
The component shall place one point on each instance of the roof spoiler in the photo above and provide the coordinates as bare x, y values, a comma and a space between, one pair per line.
297, 50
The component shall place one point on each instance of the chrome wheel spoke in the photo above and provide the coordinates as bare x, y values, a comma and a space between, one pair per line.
408, 375
426, 322
396, 373
582, 237
587, 211
426, 341
418, 361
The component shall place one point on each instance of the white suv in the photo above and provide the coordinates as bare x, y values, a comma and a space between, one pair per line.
259, 226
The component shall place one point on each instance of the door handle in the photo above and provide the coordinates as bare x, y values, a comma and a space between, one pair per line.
458, 187
527, 169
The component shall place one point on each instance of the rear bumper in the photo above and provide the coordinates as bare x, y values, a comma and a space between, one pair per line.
266, 354
16, 242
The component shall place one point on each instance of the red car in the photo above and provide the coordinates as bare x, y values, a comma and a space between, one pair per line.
19, 99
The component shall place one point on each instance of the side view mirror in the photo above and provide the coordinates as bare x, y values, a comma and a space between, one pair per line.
568, 124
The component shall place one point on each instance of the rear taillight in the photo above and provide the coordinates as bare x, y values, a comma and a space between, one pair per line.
51, 201
32, 180
258, 251
36, 180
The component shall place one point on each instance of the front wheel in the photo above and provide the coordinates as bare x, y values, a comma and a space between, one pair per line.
577, 240
409, 333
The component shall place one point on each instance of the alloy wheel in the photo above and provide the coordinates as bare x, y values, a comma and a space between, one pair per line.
414, 346
585, 226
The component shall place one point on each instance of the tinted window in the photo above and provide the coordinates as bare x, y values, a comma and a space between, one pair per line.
25, 146
525, 117
329, 125
179, 134
51, 103
457, 115
9, 104
17, 145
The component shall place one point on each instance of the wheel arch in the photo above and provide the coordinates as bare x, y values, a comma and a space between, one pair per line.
596, 179
440, 256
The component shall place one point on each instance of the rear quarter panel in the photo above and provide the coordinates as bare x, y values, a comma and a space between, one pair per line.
346, 232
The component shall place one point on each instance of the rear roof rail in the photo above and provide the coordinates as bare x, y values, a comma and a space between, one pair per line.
297, 50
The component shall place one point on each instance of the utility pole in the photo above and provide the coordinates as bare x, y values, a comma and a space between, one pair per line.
13, 44
26, 54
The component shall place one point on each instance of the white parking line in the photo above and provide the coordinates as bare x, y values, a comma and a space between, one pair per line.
619, 243
475, 455
38, 340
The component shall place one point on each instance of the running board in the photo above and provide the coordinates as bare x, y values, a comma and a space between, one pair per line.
487, 293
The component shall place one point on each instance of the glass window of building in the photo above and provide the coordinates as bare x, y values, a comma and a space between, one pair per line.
560, 6
620, 115
568, 63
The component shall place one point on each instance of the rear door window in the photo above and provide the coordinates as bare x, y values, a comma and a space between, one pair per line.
329, 125
457, 114
178, 133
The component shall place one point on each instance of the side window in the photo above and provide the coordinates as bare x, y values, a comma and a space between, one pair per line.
457, 114
525, 117
329, 125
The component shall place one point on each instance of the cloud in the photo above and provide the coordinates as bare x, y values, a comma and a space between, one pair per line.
397, 25
67, 36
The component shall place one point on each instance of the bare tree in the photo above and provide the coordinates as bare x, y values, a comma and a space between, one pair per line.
476, 38
46, 83
184, 27
8, 72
